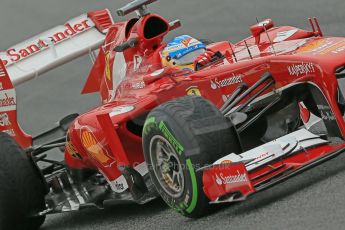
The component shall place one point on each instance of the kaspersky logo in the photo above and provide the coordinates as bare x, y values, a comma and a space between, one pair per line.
234, 79
301, 69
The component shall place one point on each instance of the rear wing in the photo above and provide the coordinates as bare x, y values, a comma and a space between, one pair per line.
42, 53
56, 46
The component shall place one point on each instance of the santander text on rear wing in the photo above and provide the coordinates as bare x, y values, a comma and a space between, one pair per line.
56, 46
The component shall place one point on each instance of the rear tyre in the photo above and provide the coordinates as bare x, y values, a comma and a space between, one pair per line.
22, 190
180, 137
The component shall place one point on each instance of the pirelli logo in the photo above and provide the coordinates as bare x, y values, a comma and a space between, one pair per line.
2, 72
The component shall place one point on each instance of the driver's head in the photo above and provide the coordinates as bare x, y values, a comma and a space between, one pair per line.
181, 52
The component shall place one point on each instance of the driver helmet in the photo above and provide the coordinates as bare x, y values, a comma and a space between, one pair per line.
181, 52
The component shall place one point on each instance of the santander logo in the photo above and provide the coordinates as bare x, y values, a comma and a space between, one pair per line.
234, 79
44, 40
222, 179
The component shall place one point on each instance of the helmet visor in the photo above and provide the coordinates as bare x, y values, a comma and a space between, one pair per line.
189, 58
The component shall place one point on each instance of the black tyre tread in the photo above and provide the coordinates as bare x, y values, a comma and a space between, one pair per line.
21, 190
206, 129
195, 113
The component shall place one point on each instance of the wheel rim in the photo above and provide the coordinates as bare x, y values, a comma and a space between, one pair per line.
166, 166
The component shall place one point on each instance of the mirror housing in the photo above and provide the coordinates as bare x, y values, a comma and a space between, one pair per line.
138, 5
260, 27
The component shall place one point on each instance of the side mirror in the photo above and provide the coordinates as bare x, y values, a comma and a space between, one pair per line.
138, 5
259, 28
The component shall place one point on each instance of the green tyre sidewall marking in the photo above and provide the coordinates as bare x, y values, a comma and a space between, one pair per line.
154, 126
194, 185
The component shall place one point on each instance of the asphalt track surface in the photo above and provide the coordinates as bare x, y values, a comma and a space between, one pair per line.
313, 200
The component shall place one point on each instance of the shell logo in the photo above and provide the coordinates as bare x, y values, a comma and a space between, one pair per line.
226, 162
95, 150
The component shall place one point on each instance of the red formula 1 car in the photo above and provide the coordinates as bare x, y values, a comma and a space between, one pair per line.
263, 110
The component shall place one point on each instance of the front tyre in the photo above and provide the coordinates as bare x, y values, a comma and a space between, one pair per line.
180, 137
22, 190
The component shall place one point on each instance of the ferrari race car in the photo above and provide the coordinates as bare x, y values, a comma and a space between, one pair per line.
261, 111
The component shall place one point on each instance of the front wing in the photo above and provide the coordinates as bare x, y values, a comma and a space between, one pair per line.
234, 177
